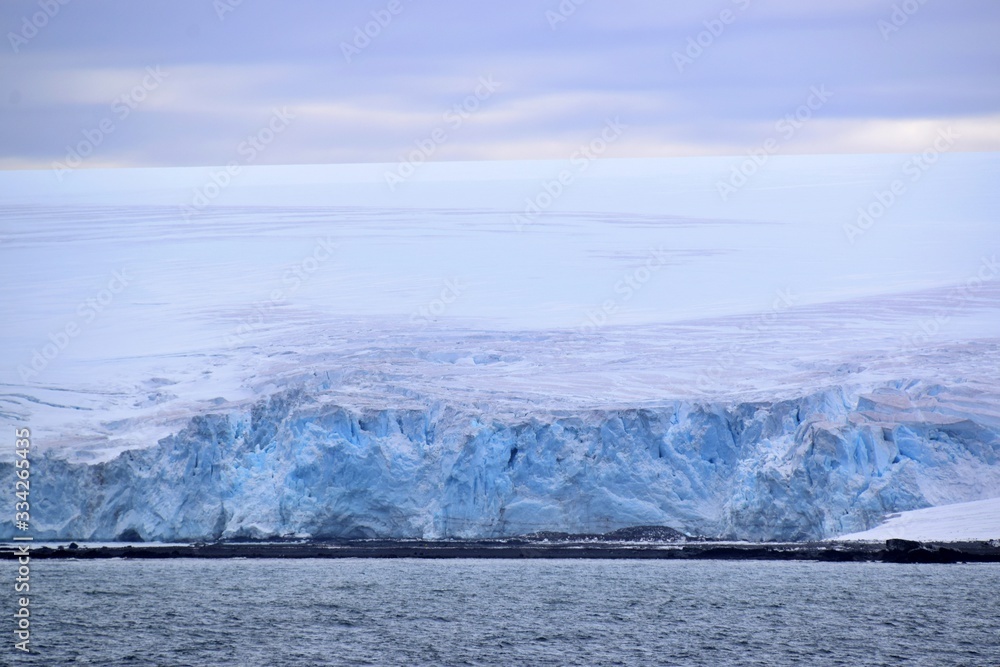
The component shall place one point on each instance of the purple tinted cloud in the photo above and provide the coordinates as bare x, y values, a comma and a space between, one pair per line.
564, 69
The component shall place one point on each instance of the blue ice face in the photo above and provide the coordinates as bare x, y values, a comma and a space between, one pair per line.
808, 468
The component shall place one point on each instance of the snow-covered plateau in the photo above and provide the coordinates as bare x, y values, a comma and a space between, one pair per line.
425, 368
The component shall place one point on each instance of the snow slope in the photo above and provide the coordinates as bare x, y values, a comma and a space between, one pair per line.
976, 520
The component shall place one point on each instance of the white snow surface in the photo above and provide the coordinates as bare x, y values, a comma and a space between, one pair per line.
976, 520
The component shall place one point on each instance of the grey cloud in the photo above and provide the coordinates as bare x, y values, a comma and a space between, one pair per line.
558, 84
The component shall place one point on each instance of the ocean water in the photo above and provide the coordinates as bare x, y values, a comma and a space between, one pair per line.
493, 612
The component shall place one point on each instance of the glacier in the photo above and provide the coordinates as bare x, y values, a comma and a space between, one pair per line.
313, 356
296, 466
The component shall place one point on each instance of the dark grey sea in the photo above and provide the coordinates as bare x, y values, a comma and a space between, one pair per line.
504, 612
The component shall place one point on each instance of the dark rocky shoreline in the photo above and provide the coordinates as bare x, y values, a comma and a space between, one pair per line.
892, 551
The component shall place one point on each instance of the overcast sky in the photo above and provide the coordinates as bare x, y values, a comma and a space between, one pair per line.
198, 77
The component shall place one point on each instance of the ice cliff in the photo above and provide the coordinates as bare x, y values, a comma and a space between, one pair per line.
830, 462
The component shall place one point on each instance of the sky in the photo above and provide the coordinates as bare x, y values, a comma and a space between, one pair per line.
105, 83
